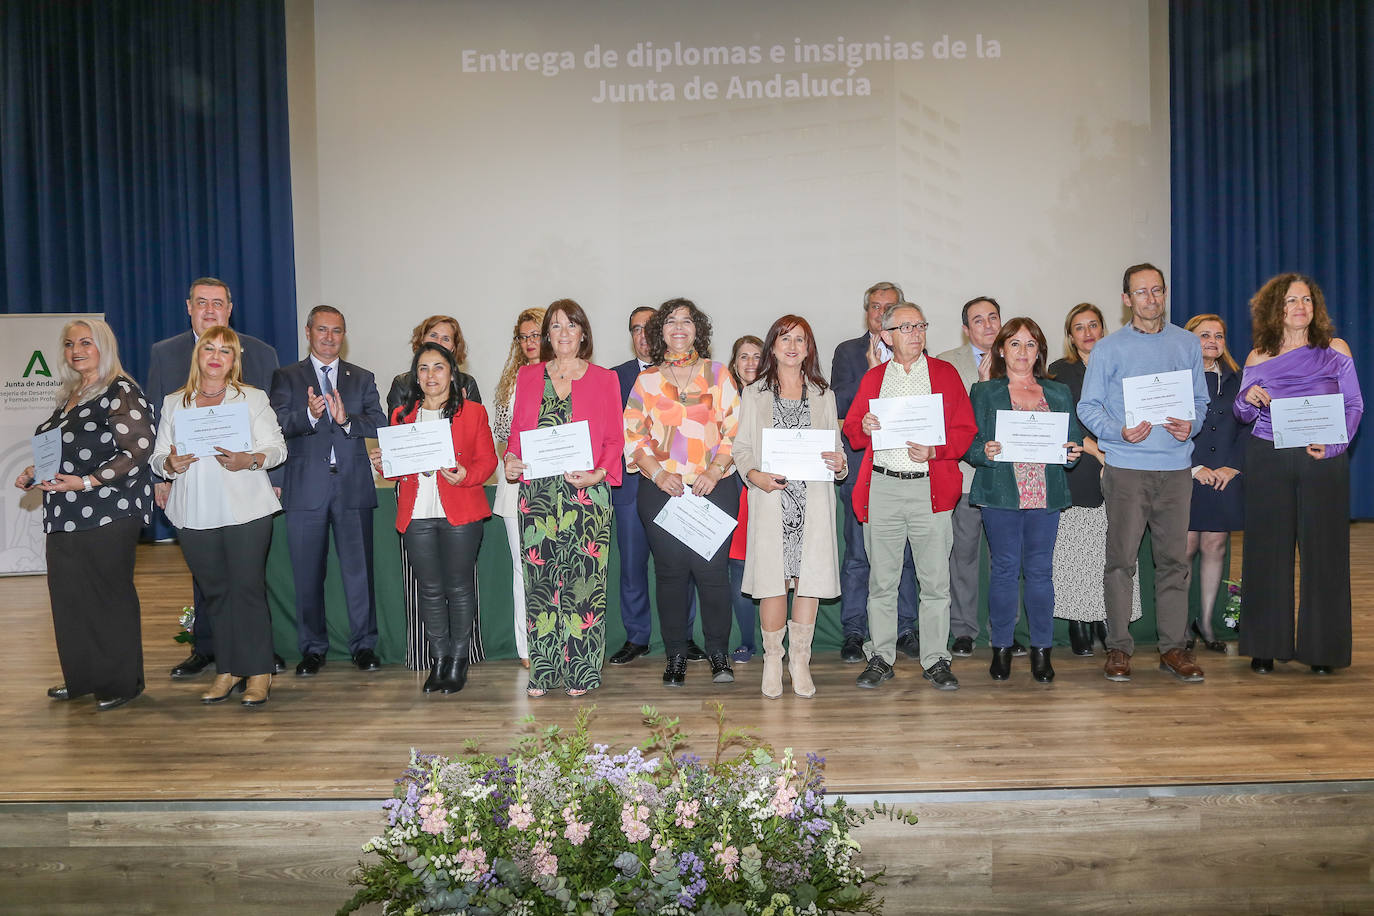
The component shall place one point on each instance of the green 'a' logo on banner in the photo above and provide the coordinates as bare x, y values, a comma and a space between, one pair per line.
37, 365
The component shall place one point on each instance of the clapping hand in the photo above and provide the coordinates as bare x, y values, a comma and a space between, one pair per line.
315, 403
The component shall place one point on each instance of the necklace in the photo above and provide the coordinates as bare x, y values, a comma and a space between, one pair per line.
564, 373
681, 389
214, 394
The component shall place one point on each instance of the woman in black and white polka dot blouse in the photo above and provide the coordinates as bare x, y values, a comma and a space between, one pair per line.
93, 510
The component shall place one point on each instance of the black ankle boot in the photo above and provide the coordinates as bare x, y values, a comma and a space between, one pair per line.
1000, 669
1041, 669
455, 675
1100, 632
436, 675
1081, 637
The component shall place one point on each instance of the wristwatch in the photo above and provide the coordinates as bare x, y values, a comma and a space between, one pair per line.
254, 466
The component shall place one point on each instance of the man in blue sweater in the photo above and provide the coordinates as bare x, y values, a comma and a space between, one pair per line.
1147, 479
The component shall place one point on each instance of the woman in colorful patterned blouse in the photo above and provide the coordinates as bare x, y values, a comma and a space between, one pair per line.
1021, 500
565, 519
680, 423
93, 510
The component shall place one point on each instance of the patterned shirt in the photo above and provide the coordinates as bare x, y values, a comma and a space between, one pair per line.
685, 430
898, 383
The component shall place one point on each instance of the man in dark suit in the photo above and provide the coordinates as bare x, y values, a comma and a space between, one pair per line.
327, 409
209, 304
630, 538
852, 359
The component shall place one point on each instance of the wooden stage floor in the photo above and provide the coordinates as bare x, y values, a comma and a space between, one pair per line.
1243, 794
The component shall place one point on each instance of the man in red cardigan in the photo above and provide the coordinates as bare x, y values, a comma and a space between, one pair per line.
906, 495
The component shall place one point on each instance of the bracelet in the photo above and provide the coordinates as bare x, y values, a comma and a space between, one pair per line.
654, 479
86, 483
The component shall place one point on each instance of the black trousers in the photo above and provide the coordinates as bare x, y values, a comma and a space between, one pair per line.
675, 564
444, 558
230, 565
1293, 500
95, 610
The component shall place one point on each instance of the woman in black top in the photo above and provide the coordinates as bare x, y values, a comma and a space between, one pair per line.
93, 510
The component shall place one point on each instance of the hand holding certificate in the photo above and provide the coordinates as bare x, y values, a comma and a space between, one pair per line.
47, 455
796, 454
1318, 419
1032, 437
416, 448
918, 418
200, 430
556, 450
1155, 398
697, 522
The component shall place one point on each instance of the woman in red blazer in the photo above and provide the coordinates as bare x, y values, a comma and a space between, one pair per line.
440, 514
566, 518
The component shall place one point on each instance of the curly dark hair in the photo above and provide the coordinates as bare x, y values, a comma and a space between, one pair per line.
658, 347
415, 397
1266, 315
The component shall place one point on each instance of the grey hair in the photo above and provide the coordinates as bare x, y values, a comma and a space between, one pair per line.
892, 309
882, 287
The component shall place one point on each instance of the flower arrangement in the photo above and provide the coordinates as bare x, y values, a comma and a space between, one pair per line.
563, 825
1230, 614
187, 620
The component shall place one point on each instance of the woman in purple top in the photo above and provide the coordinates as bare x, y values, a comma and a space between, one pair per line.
1296, 496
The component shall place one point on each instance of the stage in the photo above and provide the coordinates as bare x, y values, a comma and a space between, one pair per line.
1245, 793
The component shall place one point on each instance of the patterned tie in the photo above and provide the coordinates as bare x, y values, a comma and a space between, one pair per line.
328, 387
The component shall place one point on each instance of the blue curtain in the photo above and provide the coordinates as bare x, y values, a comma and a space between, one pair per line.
1273, 167
143, 143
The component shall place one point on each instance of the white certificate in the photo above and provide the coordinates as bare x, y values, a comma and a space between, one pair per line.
556, 450
1158, 397
1318, 419
796, 453
197, 430
1031, 436
697, 522
47, 454
416, 448
918, 418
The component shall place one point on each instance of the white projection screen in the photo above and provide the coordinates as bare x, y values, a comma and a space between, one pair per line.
470, 158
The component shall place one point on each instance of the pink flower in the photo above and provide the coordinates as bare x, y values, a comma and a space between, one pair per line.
521, 817
577, 832
727, 857
632, 822
592, 550
553, 602
581, 497
686, 813
589, 620
524, 506
532, 555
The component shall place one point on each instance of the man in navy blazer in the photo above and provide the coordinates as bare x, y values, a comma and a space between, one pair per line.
852, 359
327, 409
209, 303
630, 538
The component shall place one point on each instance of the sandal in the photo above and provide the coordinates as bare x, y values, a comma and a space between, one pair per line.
576, 691
535, 693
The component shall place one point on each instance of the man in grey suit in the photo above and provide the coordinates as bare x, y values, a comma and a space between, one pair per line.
982, 319
209, 304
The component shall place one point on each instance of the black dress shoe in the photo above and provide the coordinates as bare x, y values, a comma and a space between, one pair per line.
278, 664
941, 678
1041, 669
106, 703
628, 653
1262, 665
1081, 637
694, 653
721, 672
963, 646
878, 670
192, 665
909, 645
1017, 649
366, 660
60, 692
1000, 669
1321, 669
436, 674
675, 672
455, 676
310, 665
852, 650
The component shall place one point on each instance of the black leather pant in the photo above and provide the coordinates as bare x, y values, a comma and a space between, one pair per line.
444, 558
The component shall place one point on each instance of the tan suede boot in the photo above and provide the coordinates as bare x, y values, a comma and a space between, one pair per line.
224, 684
772, 663
799, 657
256, 694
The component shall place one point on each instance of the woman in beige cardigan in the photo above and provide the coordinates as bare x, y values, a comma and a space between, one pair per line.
791, 537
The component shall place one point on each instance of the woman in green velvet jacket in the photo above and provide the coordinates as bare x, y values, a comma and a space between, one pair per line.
1021, 500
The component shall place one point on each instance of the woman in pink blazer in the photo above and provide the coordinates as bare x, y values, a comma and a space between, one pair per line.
565, 519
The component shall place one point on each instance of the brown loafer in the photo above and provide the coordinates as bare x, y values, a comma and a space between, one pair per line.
1179, 663
1118, 667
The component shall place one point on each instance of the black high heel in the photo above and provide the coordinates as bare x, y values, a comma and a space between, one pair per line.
1100, 632
1080, 637
1213, 645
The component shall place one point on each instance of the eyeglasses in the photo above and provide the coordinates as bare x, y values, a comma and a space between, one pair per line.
1154, 292
526, 338
907, 327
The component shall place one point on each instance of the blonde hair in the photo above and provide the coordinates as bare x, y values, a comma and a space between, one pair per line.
1071, 353
108, 367
221, 334
1226, 358
516, 357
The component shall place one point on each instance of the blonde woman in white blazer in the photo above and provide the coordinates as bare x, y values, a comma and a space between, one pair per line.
223, 505
791, 536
